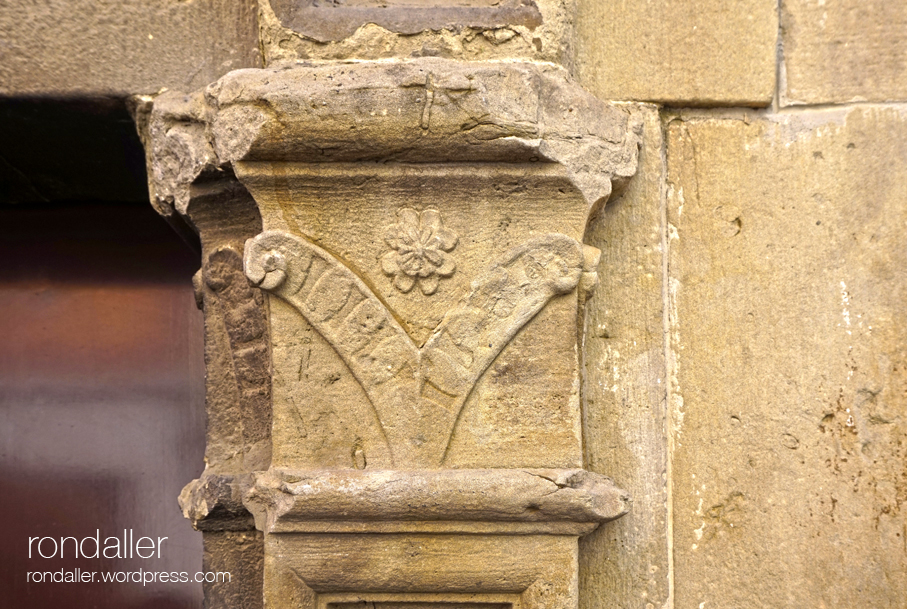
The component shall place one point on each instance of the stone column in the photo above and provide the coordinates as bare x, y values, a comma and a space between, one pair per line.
393, 280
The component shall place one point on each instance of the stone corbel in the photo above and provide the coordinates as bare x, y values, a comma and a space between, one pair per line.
417, 228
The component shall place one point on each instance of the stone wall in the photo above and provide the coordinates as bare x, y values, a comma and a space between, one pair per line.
122, 47
748, 384
746, 349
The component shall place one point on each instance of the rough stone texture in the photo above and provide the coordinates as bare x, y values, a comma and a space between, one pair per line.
430, 111
237, 345
786, 330
326, 22
848, 50
214, 502
237, 390
122, 47
626, 564
712, 52
241, 554
475, 30
789, 340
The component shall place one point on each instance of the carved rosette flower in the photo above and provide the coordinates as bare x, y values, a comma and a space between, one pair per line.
420, 246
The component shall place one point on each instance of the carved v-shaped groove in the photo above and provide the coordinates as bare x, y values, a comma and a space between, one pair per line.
417, 393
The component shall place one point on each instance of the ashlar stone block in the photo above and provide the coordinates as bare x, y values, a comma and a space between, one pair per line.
788, 338
704, 53
122, 47
844, 51
628, 562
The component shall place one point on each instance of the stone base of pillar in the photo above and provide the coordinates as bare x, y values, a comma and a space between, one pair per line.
412, 570
445, 539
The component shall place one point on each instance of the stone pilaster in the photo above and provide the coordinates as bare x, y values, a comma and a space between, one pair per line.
394, 364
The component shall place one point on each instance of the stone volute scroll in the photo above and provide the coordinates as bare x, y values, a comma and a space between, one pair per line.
414, 241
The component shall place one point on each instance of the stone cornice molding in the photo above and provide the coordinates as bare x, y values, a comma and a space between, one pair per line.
427, 110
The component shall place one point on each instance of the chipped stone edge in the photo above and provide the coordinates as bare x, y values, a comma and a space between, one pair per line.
213, 502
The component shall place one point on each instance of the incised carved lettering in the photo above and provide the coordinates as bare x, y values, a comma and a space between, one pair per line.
418, 392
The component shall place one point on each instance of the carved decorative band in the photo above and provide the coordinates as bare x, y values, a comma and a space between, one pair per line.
398, 376
280, 498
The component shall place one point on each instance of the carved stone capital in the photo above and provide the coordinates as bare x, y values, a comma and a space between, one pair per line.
416, 289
